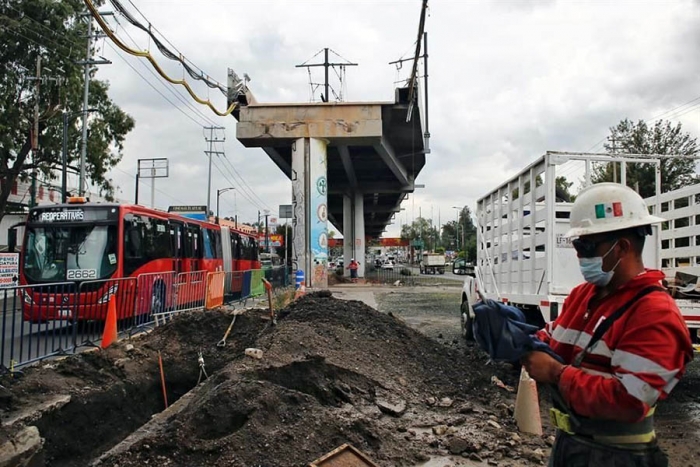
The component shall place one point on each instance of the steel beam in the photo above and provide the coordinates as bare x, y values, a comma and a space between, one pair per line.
386, 152
371, 187
279, 160
347, 164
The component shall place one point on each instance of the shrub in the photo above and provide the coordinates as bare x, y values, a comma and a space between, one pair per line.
405, 272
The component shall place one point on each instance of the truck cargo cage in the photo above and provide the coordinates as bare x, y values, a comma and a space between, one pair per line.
523, 257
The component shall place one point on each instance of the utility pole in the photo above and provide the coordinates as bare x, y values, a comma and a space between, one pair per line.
211, 140
38, 79
326, 64
87, 64
613, 140
267, 232
35, 132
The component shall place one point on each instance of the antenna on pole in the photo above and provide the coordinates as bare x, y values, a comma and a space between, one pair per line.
327, 66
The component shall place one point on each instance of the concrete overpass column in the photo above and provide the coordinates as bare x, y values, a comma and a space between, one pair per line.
359, 233
348, 234
310, 210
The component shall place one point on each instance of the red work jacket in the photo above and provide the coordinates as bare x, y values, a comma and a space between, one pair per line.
637, 362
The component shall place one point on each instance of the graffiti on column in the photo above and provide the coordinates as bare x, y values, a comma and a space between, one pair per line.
298, 200
319, 213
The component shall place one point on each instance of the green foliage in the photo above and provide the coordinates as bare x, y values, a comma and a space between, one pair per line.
53, 31
421, 229
460, 236
662, 137
562, 190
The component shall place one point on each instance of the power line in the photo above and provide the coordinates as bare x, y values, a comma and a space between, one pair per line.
228, 180
198, 123
170, 87
244, 183
73, 43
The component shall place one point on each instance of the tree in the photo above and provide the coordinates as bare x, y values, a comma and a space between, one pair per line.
660, 138
562, 186
286, 232
53, 31
419, 229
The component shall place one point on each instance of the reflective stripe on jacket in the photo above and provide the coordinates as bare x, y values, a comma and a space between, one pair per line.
636, 363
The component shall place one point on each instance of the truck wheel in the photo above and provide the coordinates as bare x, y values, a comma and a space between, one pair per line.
441, 271
466, 322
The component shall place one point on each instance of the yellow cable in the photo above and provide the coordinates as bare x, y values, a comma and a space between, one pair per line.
149, 57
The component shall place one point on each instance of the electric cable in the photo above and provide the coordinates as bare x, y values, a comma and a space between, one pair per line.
198, 123
170, 87
167, 52
147, 55
244, 183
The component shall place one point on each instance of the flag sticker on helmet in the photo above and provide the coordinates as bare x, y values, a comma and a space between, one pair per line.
605, 210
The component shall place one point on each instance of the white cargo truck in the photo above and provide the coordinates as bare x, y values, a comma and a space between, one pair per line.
523, 258
432, 263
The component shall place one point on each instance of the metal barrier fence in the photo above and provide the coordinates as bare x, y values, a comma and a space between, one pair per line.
46, 320
155, 296
410, 277
92, 302
28, 334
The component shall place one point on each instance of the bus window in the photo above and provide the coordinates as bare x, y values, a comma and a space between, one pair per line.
216, 241
145, 239
236, 246
253, 253
245, 247
207, 241
176, 240
192, 242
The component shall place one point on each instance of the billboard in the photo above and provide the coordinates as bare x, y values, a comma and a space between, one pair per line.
193, 212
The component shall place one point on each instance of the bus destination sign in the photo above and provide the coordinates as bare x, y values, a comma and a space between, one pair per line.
66, 215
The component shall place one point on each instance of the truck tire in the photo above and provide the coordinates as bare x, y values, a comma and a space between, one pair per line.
441, 271
466, 322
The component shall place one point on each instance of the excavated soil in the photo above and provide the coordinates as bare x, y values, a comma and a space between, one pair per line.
332, 372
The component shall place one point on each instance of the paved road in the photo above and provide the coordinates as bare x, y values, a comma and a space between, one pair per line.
448, 273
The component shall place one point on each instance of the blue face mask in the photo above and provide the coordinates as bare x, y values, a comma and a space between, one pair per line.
592, 269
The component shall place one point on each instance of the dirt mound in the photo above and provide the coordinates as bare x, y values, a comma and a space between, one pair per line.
332, 372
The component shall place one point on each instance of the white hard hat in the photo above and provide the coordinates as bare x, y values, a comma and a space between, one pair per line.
606, 207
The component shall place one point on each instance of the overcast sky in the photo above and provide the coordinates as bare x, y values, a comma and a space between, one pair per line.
508, 81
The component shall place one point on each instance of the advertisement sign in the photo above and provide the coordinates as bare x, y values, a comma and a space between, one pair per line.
9, 269
275, 240
192, 212
395, 241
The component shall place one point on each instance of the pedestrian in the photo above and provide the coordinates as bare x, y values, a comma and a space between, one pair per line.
353, 266
622, 338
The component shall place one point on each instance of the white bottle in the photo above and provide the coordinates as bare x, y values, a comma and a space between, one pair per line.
254, 353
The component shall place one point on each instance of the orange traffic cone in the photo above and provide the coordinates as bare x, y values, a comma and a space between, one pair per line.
110, 333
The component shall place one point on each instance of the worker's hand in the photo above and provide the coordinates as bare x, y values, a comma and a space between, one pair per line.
542, 367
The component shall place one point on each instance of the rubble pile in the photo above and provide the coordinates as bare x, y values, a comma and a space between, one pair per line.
331, 372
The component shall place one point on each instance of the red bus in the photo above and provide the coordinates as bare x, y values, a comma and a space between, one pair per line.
91, 249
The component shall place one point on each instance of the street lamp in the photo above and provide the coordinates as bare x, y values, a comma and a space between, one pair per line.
218, 193
67, 118
457, 223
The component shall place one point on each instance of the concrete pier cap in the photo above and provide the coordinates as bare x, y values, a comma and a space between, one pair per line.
351, 163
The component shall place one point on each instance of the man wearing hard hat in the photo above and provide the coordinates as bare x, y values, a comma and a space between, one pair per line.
622, 338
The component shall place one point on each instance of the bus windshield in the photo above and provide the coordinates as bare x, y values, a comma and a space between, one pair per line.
70, 253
